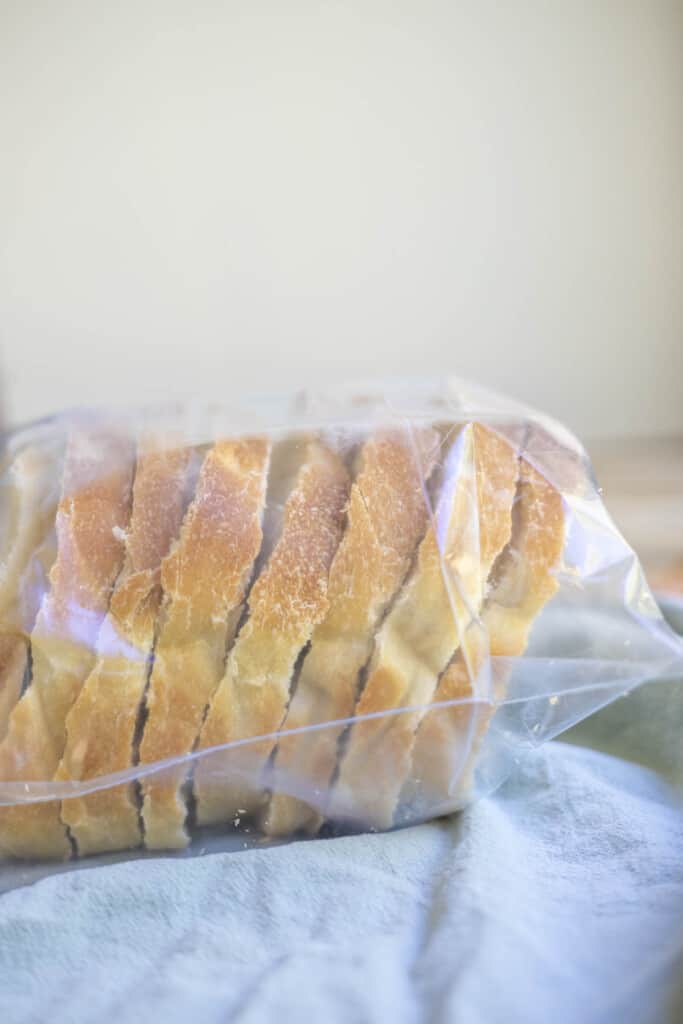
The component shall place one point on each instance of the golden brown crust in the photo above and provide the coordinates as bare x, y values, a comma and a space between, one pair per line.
472, 523
92, 513
204, 579
287, 601
101, 724
449, 737
386, 517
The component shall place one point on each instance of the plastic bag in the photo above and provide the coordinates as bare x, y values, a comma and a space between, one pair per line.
298, 615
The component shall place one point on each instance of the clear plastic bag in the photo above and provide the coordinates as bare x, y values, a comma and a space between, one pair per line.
298, 615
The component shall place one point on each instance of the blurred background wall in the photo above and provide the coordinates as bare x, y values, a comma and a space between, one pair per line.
199, 197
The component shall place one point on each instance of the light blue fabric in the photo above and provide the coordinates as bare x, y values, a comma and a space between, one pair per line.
559, 899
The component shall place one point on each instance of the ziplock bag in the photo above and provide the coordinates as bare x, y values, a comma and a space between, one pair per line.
295, 615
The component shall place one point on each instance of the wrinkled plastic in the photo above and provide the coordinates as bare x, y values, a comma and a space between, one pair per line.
597, 636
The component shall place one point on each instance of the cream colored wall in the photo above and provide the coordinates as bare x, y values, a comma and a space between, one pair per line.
201, 197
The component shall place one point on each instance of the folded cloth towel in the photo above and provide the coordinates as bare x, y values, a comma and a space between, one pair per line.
560, 898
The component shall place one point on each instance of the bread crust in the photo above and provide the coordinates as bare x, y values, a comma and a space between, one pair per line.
386, 516
92, 513
204, 579
444, 593
101, 723
449, 738
287, 601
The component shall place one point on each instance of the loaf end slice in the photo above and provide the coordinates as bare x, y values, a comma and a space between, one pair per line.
29, 492
92, 515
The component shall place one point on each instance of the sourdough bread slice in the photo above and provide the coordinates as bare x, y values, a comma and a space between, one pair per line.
386, 517
419, 637
449, 737
289, 598
92, 515
204, 579
101, 724
29, 492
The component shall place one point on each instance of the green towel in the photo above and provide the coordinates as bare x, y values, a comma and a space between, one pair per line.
646, 726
